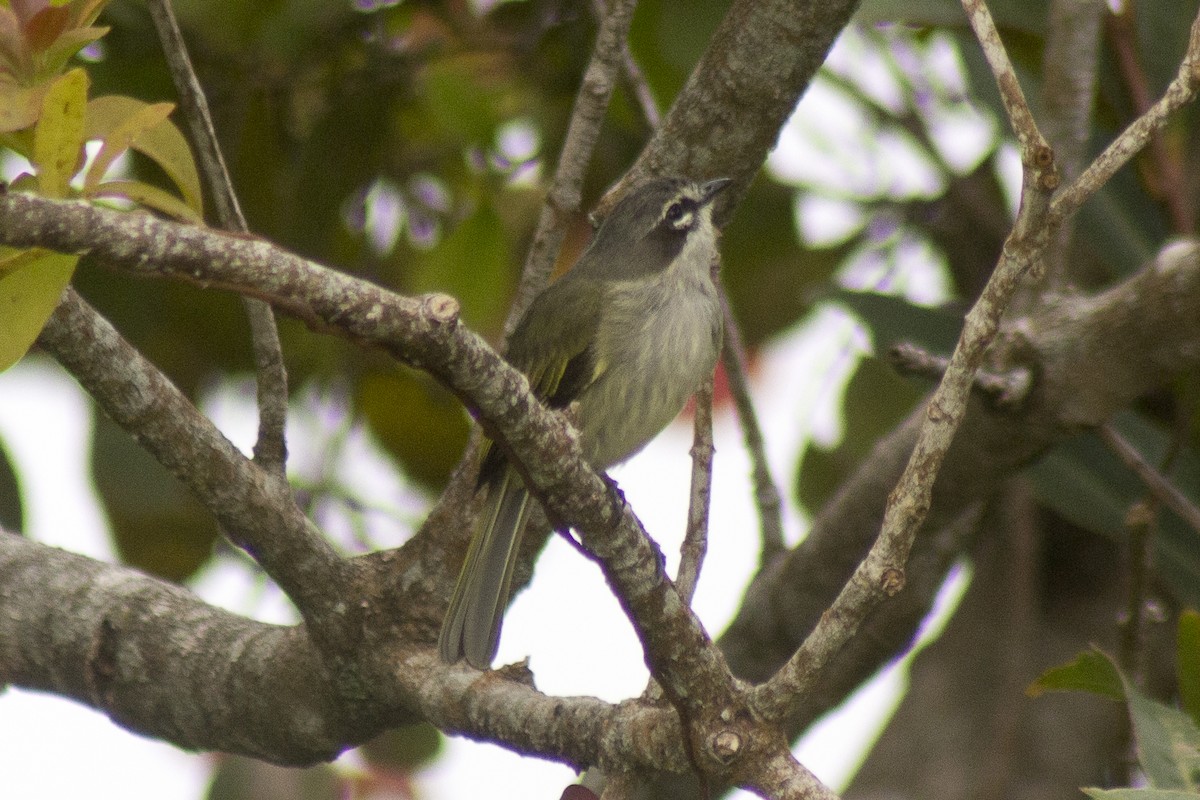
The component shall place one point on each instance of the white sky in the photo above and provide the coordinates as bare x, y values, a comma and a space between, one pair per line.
51, 748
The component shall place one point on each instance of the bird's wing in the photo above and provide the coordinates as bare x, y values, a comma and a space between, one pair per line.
552, 345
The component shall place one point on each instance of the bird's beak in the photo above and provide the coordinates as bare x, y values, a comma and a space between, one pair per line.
710, 189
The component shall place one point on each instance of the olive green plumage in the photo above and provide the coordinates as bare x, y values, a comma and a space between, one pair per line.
628, 333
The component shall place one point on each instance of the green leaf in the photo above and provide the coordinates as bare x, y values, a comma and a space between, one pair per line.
1166, 739
149, 196
163, 143
28, 295
1187, 649
1168, 743
85, 12
420, 423
58, 138
1091, 671
1138, 794
472, 263
122, 136
404, 749
66, 46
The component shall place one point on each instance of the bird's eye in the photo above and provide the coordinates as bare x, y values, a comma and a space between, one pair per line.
678, 215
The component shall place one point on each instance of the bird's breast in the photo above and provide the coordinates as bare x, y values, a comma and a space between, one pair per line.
659, 340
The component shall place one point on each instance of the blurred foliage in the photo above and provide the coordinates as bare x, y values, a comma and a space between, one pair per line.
155, 522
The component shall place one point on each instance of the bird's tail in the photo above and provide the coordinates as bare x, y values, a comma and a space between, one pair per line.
472, 624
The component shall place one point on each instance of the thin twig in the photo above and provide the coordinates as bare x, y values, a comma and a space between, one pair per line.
1141, 520
270, 450
638, 85
1181, 91
766, 493
881, 574
1159, 486
563, 199
1171, 182
695, 539
1007, 390
1068, 91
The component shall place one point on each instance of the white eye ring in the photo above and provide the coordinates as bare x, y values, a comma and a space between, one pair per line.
677, 216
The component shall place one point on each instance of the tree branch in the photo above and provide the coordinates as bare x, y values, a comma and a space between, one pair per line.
881, 573
162, 663
270, 450
254, 507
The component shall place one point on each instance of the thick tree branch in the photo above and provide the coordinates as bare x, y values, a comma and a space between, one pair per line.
745, 86
254, 507
161, 662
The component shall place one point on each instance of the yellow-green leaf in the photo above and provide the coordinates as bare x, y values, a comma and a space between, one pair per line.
27, 298
149, 196
66, 45
84, 12
58, 137
163, 143
121, 138
12, 258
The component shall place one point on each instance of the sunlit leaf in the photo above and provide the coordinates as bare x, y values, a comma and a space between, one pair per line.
58, 138
149, 196
66, 46
163, 143
122, 136
12, 258
84, 12
28, 296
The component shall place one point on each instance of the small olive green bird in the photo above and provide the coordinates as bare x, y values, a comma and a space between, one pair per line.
629, 333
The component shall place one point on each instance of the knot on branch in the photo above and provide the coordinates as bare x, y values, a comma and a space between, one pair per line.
442, 309
892, 581
724, 746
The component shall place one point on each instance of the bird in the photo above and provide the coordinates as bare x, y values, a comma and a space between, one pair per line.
623, 339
